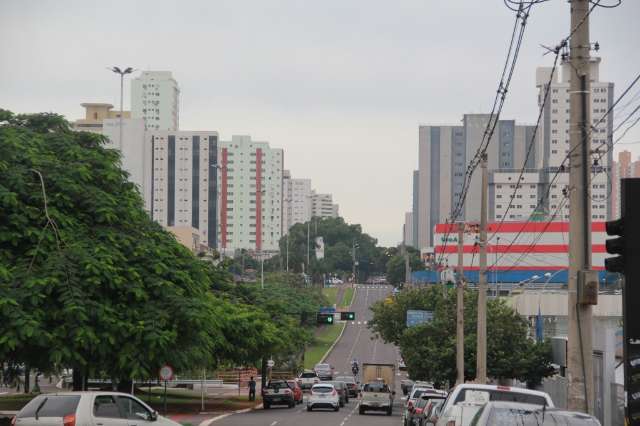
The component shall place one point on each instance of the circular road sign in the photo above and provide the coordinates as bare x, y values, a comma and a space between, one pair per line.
271, 363
166, 373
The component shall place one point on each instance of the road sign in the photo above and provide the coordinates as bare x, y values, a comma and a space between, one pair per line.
166, 372
415, 317
327, 309
271, 363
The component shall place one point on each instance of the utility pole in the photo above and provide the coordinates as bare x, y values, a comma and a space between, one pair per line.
460, 307
481, 354
579, 345
308, 246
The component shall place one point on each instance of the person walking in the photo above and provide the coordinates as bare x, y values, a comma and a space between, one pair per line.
252, 389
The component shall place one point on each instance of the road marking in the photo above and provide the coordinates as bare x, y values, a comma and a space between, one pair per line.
214, 419
274, 423
359, 322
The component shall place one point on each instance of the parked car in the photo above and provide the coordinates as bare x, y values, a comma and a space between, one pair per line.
343, 392
417, 396
323, 395
465, 401
324, 371
277, 392
307, 379
431, 414
413, 415
352, 385
401, 365
89, 408
406, 386
297, 391
499, 412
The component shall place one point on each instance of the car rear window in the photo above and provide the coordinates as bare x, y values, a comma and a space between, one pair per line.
497, 395
322, 389
308, 375
277, 385
50, 406
376, 387
421, 403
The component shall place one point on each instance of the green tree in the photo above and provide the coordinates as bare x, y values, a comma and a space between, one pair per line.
429, 349
396, 265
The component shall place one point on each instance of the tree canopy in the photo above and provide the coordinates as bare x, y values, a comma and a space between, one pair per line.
89, 281
429, 349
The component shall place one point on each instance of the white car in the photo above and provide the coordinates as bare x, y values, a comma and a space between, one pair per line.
307, 379
464, 401
89, 409
323, 395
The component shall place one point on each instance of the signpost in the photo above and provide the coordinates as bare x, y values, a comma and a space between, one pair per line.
416, 317
166, 374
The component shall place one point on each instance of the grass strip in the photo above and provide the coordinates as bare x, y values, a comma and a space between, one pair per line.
347, 298
331, 293
322, 342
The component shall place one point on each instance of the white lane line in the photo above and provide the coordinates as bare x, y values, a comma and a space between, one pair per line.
214, 419
274, 423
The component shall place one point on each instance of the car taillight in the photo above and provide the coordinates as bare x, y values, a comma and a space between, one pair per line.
334, 393
287, 391
13, 421
451, 423
418, 410
410, 404
69, 420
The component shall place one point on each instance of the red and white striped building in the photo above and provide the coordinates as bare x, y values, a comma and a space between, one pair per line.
525, 247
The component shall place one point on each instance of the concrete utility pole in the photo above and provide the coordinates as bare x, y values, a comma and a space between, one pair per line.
460, 308
481, 354
579, 345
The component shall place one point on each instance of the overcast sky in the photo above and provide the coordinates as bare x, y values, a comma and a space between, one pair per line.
340, 85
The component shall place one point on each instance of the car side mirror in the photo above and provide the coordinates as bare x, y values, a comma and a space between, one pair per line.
154, 416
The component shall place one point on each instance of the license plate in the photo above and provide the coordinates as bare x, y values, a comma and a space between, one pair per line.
322, 396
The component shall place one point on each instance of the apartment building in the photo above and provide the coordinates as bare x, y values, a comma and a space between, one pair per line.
155, 98
296, 201
322, 206
94, 115
250, 175
183, 181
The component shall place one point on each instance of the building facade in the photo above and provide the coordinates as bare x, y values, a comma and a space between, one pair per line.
322, 206
95, 114
183, 181
250, 175
296, 201
408, 229
155, 98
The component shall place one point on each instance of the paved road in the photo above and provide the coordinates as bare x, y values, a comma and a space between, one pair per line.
356, 342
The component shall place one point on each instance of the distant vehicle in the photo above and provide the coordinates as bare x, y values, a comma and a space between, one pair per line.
323, 395
278, 392
376, 396
401, 365
88, 408
395, 291
376, 372
307, 379
411, 416
465, 401
343, 392
352, 385
298, 397
324, 371
406, 386
500, 412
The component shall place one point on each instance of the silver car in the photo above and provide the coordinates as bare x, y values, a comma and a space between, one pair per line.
89, 409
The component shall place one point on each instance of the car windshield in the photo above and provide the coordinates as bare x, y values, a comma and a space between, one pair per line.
376, 387
50, 406
277, 385
323, 367
322, 389
501, 395
308, 375
421, 403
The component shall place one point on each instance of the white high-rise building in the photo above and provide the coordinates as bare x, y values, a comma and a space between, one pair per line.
155, 97
296, 201
183, 181
322, 205
250, 176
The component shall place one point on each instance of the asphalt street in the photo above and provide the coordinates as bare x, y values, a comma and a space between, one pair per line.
356, 342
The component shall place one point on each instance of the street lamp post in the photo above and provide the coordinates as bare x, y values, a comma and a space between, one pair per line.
122, 73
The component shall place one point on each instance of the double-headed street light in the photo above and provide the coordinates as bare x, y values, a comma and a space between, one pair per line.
122, 73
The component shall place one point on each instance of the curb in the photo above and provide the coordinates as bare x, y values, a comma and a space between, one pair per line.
344, 325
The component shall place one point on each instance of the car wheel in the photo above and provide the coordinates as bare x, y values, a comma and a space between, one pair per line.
309, 408
292, 404
346, 400
389, 411
361, 410
267, 405
337, 408
341, 404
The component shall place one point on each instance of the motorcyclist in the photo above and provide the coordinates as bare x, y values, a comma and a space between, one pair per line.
354, 366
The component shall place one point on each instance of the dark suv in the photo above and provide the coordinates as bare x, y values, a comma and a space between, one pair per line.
278, 392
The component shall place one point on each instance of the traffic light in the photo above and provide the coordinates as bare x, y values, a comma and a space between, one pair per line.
627, 247
347, 316
325, 318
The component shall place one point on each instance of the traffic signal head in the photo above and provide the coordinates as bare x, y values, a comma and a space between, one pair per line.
347, 316
325, 318
615, 246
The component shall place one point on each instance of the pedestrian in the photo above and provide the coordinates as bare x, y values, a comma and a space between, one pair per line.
252, 389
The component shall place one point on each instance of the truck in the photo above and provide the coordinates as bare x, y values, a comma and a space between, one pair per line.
378, 390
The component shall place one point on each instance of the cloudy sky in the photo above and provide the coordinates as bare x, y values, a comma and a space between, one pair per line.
341, 85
